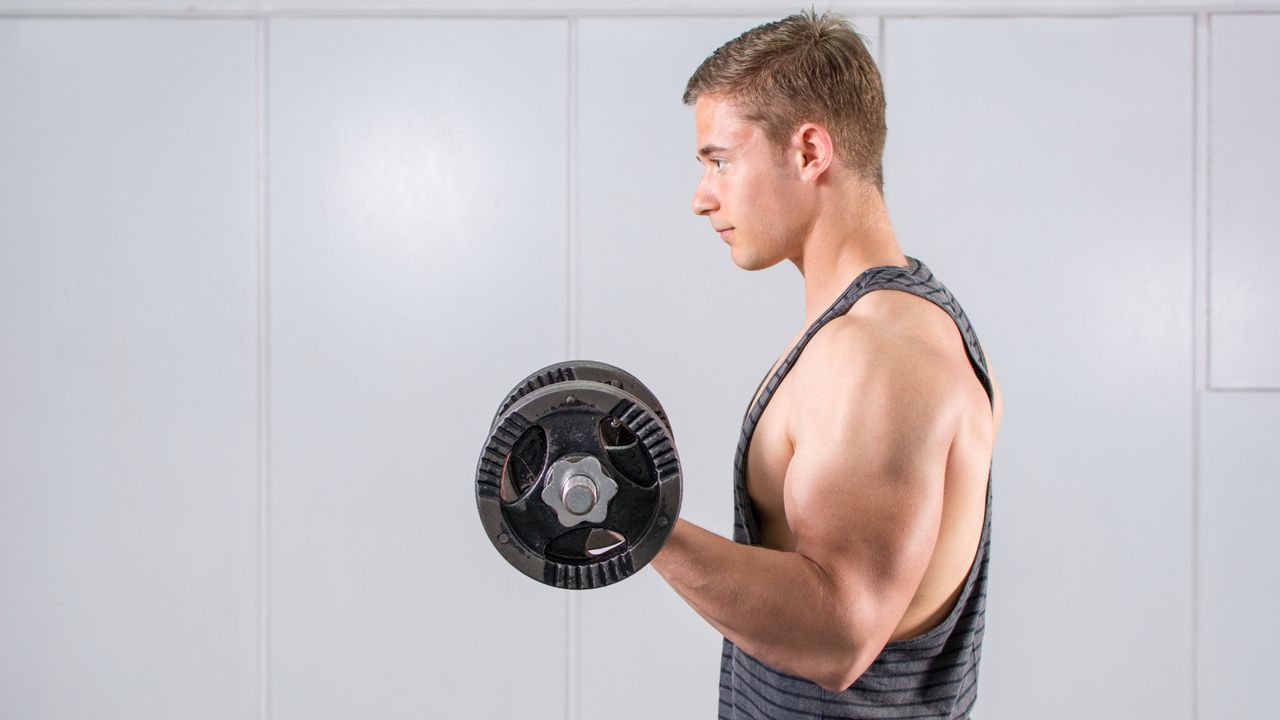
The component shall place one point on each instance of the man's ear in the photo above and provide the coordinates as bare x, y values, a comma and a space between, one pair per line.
814, 150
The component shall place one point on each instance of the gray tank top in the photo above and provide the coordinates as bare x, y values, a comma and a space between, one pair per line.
932, 675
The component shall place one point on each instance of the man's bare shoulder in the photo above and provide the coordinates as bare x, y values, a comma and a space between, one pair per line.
888, 338
894, 348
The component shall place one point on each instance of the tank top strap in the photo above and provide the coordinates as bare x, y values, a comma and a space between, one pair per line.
918, 280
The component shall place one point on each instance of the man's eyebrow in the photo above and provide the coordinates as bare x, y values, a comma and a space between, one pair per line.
708, 150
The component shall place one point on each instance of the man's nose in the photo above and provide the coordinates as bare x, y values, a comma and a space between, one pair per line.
704, 201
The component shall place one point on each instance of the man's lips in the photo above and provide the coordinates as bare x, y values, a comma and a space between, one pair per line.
722, 231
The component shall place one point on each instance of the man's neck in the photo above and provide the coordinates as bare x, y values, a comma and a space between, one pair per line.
840, 247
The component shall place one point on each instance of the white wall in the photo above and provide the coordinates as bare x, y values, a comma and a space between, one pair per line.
266, 270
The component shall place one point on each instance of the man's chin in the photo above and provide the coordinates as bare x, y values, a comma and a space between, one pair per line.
750, 263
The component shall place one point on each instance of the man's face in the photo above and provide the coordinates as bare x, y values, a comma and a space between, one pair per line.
747, 189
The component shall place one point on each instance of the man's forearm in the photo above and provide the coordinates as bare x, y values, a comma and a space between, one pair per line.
777, 606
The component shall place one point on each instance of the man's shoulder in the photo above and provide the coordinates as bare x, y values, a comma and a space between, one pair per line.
890, 365
890, 333
896, 356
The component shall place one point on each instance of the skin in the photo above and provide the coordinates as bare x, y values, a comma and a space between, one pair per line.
868, 468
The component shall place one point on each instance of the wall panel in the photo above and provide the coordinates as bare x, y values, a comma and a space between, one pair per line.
1239, 504
1244, 231
128, 370
418, 271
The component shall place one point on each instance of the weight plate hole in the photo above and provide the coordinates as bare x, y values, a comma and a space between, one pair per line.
625, 452
601, 541
615, 435
582, 546
524, 465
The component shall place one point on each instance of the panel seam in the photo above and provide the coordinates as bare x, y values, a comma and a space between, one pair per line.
264, 375
881, 53
1199, 321
572, 611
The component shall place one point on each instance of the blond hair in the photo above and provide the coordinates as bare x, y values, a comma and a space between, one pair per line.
803, 68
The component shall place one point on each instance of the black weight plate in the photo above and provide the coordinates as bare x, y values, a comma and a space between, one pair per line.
570, 416
584, 370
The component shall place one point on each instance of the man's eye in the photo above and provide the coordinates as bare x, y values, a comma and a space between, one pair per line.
718, 162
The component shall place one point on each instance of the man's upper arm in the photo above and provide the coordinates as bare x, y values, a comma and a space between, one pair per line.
863, 491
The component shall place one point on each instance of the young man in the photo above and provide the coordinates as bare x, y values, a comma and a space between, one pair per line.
856, 582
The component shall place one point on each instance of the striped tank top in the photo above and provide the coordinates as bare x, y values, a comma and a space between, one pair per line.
932, 675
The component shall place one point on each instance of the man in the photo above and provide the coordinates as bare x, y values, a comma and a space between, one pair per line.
856, 585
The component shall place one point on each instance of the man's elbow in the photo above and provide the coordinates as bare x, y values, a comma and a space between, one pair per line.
865, 638
846, 673
863, 627
838, 685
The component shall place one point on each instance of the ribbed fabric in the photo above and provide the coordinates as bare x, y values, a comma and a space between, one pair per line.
932, 675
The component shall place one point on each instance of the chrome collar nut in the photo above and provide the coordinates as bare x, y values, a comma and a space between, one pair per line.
579, 490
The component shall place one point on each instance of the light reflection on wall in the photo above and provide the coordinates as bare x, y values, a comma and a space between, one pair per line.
407, 188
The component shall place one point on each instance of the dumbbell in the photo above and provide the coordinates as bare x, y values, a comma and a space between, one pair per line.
578, 484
